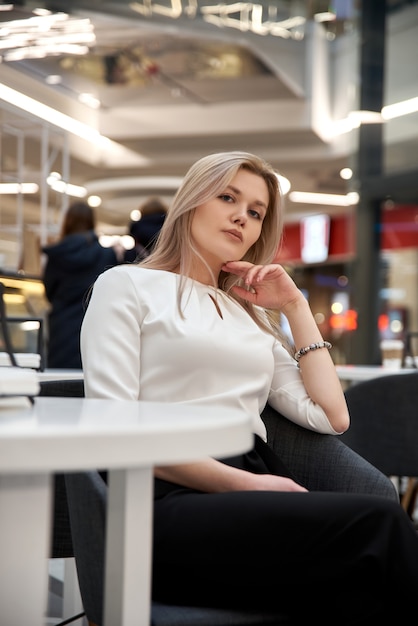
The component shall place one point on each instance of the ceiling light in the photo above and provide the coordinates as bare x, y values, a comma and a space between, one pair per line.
16, 188
346, 173
248, 17
42, 33
365, 117
331, 199
53, 79
398, 109
170, 183
54, 180
243, 16
89, 100
135, 215
94, 201
390, 111
70, 190
355, 119
284, 184
325, 17
47, 113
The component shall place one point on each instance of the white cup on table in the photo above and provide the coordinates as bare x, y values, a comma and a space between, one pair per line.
392, 353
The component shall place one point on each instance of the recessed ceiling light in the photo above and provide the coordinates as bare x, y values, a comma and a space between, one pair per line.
94, 201
53, 79
89, 100
346, 173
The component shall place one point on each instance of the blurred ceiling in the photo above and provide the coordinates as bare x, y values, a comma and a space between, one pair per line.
166, 82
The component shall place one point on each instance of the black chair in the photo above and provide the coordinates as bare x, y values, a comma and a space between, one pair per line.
384, 427
321, 461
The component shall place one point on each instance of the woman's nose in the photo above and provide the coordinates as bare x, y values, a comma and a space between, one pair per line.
240, 216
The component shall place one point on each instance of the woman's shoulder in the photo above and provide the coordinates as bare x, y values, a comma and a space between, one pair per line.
131, 283
138, 274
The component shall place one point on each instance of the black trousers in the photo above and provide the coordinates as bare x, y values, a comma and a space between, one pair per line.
340, 558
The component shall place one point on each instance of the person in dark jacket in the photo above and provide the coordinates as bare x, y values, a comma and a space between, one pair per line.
73, 264
145, 230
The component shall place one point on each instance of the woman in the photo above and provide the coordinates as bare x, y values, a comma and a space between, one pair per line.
194, 322
73, 264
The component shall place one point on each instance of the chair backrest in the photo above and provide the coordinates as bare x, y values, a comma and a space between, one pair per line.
384, 422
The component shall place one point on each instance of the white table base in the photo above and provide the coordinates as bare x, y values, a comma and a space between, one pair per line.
129, 547
25, 504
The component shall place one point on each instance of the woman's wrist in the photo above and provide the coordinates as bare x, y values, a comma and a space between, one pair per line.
299, 305
317, 345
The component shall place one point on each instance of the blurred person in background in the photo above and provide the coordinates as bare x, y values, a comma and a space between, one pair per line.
72, 265
145, 230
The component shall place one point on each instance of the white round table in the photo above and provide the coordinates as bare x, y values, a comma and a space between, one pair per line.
357, 373
127, 439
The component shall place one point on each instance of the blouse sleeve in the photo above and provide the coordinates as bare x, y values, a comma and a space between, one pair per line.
110, 338
289, 396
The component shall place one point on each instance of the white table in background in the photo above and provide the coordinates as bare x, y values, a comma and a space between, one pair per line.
357, 373
73, 434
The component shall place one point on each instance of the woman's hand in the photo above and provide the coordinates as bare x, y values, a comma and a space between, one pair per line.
212, 476
270, 287
270, 482
267, 286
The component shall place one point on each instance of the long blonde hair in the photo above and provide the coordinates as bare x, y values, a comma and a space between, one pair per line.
174, 249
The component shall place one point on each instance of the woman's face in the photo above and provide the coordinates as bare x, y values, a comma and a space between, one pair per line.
225, 227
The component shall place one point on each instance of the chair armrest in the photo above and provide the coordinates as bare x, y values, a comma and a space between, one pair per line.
323, 462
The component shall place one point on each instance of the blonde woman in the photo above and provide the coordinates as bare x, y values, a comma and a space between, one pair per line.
193, 322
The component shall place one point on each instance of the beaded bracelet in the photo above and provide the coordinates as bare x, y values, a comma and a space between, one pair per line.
313, 346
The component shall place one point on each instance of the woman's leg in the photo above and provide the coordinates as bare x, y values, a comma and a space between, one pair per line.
354, 554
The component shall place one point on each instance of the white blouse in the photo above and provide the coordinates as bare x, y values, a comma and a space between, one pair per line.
136, 345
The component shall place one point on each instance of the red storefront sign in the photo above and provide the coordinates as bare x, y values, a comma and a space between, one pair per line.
399, 229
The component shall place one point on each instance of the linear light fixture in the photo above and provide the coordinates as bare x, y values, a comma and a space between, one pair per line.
41, 33
76, 191
48, 114
16, 188
241, 15
329, 199
388, 112
398, 109
109, 149
129, 183
355, 119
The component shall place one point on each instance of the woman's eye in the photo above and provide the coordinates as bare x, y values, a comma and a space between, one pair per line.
226, 197
255, 214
